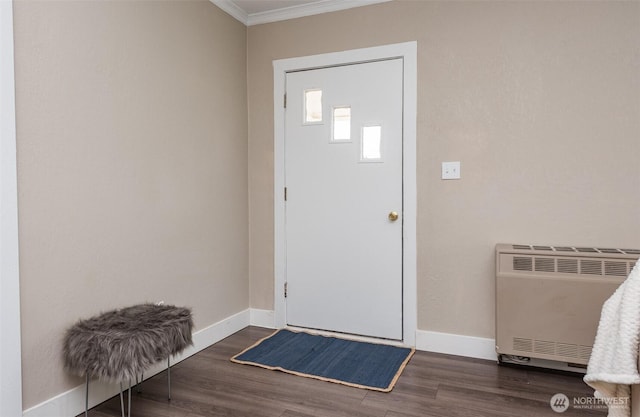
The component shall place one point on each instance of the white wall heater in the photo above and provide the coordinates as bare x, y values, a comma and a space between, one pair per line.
549, 299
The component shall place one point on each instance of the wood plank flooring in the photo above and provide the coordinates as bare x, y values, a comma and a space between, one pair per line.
432, 385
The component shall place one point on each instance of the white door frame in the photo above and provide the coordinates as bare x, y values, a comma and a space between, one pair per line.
408, 52
10, 357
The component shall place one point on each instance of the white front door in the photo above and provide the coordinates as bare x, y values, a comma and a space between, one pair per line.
343, 175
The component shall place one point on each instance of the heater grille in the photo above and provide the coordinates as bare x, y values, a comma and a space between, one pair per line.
576, 249
572, 265
569, 351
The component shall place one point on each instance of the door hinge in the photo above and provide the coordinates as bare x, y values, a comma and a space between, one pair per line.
285, 101
285, 289
285, 193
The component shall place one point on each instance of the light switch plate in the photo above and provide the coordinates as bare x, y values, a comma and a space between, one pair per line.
451, 170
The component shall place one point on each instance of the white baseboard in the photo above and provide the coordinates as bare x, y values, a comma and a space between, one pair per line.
454, 344
447, 343
262, 318
71, 403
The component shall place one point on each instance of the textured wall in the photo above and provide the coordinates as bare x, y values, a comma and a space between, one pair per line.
540, 101
132, 167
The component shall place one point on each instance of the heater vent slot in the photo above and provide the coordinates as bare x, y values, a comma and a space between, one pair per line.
590, 267
544, 347
587, 250
584, 352
609, 250
545, 264
567, 350
568, 266
522, 345
521, 263
618, 269
564, 249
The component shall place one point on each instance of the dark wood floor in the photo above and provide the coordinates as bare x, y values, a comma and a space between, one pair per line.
208, 384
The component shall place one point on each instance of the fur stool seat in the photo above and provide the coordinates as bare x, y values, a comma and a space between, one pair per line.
121, 344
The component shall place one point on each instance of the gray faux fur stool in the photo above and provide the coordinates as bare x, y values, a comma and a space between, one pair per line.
119, 345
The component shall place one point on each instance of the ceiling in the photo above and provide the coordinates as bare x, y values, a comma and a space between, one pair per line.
254, 12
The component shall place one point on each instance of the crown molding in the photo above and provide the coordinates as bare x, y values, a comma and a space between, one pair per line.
233, 9
322, 6
291, 12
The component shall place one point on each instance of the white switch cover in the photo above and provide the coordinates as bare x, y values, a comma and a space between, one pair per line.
451, 170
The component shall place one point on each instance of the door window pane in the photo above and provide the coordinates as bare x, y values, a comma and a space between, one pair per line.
341, 124
312, 106
371, 143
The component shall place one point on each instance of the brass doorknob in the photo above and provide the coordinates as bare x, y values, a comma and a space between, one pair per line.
393, 216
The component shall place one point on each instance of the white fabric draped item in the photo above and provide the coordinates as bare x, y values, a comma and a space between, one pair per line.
613, 365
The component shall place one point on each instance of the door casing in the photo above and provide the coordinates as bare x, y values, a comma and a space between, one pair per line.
407, 51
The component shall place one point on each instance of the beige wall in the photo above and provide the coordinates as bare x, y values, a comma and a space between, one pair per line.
132, 167
132, 151
540, 101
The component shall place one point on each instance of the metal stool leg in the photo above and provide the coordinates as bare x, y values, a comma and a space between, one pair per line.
139, 384
86, 397
129, 413
121, 400
169, 375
